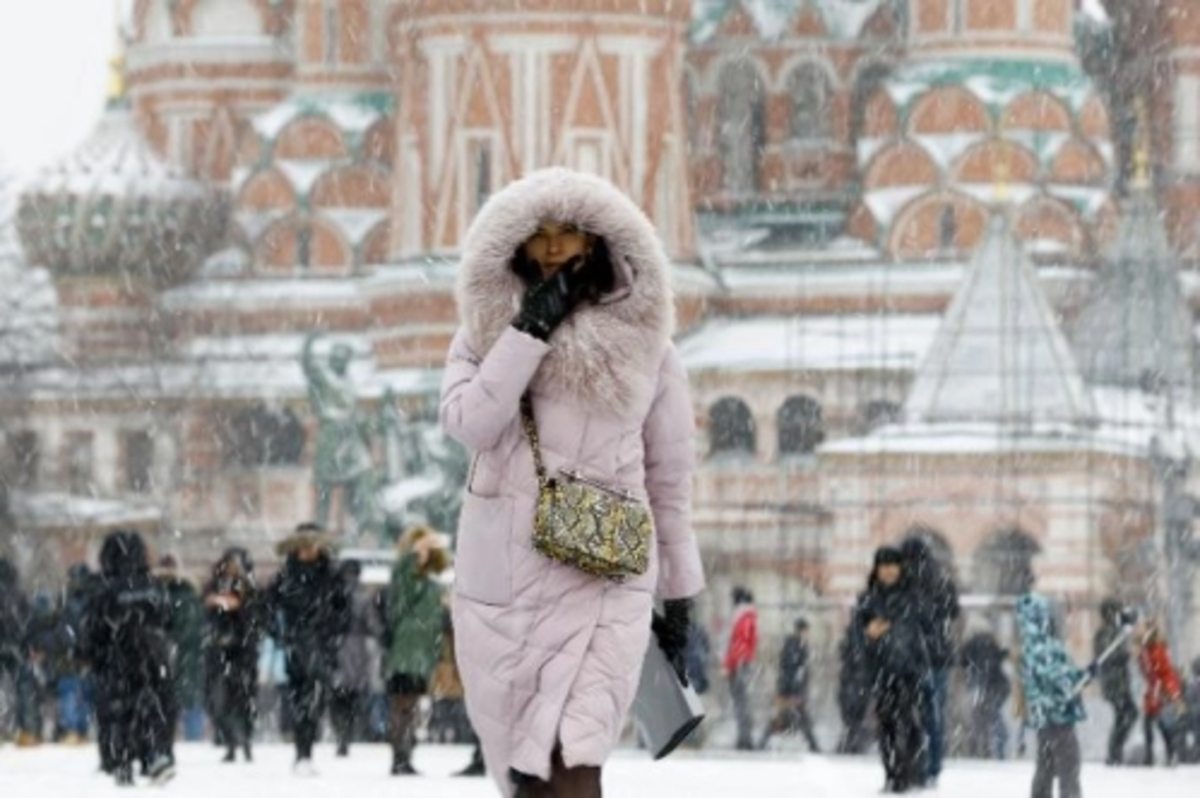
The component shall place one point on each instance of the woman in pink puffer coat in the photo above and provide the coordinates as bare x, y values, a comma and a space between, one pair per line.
564, 292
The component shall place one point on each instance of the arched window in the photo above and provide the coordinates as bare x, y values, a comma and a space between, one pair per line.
875, 414
731, 427
1004, 564
741, 126
262, 436
809, 94
801, 425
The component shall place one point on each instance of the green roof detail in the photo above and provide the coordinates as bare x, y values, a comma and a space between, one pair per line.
995, 82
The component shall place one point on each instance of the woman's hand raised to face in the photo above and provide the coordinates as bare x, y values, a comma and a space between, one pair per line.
549, 302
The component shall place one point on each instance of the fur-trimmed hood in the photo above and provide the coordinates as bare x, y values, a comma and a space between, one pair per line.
604, 355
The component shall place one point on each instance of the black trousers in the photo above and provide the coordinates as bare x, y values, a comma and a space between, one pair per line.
901, 738
1125, 715
1149, 723
308, 691
134, 720
233, 687
344, 711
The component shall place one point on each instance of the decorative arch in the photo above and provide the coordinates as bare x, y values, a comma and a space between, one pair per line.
731, 427
979, 163
711, 74
918, 230
800, 425
1037, 110
267, 190
901, 164
1078, 162
298, 243
809, 87
310, 137
1049, 218
1094, 121
352, 187
375, 247
379, 142
948, 109
1003, 565
741, 125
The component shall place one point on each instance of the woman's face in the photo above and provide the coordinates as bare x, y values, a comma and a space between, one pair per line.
888, 573
554, 244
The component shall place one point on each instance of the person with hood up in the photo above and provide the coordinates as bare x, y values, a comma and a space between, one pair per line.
938, 610
129, 650
1048, 700
414, 618
564, 297
309, 605
890, 622
1115, 684
1162, 703
236, 624
740, 654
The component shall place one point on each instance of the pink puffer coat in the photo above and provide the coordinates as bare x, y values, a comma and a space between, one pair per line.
550, 656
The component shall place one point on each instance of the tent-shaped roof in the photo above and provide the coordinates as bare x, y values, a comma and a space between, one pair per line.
1136, 325
999, 355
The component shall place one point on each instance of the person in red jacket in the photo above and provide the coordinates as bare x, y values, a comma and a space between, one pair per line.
1162, 704
739, 659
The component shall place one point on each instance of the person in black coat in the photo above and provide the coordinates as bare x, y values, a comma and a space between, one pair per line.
889, 619
1115, 683
235, 626
791, 689
127, 646
14, 616
938, 610
310, 606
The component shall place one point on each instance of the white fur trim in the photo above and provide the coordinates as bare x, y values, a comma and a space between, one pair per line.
607, 355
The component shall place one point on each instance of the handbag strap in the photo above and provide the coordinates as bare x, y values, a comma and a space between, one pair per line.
530, 426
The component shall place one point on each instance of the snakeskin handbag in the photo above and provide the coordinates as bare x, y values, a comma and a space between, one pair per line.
597, 529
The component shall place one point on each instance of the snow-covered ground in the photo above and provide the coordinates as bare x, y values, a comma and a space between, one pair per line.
68, 772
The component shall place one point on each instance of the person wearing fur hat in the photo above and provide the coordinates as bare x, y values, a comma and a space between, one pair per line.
564, 297
414, 619
128, 648
309, 606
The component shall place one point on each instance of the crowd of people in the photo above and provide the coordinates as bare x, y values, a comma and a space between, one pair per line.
146, 657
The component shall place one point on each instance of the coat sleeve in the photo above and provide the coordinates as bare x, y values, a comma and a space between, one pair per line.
480, 396
669, 439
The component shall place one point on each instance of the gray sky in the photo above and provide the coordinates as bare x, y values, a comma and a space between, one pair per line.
53, 75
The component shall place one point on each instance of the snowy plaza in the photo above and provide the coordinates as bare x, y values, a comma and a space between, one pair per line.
68, 772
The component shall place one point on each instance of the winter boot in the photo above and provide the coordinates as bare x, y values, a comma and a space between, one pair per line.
476, 766
402, 765
161, 770
124, 774
528, 786
230, 755
246, 752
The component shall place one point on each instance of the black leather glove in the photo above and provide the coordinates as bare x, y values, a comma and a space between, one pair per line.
549, 302
671, 628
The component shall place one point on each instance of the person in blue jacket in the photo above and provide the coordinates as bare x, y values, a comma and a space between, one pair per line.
1049, 698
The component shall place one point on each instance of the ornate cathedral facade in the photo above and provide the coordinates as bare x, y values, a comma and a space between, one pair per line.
908, 237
